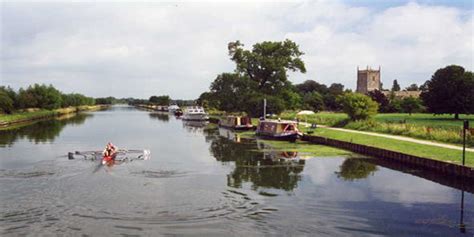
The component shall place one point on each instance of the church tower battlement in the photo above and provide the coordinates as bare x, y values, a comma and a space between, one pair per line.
368, 80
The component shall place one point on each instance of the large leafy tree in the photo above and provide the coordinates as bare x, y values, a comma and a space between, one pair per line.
313, 101
6, 103
450, 91
358, 106
309, 86
160, 100
381, 99
230, 91
330, 99
40, 96
267, 63
410, 105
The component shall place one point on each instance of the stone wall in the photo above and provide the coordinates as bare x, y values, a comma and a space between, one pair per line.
403, 94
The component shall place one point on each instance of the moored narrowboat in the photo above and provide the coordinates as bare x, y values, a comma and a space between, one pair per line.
278, 130
236, 122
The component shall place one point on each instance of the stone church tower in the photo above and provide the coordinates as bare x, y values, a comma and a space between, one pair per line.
368, 80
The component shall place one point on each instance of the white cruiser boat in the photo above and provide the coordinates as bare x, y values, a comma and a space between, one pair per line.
195, 113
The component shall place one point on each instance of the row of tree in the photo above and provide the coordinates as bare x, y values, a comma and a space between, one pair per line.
39, 96
262, 73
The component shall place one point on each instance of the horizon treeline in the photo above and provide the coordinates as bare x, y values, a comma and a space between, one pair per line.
43, 96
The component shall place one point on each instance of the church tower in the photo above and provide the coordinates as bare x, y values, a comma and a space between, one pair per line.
368, 80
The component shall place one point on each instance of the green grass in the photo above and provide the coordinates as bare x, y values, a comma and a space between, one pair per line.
26, 116
8, 118
444, 121
441, 128
427, 151
306, 148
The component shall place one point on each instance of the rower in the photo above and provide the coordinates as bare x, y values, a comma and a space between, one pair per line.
110, 150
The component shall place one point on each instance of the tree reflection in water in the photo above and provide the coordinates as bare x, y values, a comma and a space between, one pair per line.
164, 117
41, 131
354, 168
267, 169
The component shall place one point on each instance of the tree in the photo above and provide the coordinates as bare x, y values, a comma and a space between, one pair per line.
450, 91
153, 99
309, 86
395, 105
267, 63
40, 96
160, 100
330, 101
410, 105
111, 100
358, 106
6, 103
230, 91
412, 87
396, 86
313, 101
352, 169
381, 99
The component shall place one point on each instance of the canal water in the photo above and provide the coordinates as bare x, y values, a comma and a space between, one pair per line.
202, 181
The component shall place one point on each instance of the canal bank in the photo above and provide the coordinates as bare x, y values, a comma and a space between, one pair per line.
440, 159
33, 115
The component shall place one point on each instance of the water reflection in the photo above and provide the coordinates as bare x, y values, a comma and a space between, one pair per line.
195, 126
41, 131
164, 117
355, 168
267, 169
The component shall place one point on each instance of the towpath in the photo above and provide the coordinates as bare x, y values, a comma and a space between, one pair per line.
401, 138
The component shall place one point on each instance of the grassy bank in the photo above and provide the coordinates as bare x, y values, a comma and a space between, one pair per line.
441, 128
427, 151
304, 148
24, 116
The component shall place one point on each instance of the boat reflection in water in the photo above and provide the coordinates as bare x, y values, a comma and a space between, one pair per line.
162, 116
195, 126
229, 134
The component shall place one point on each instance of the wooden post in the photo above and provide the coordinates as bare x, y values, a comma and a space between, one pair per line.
465, 128
264, 109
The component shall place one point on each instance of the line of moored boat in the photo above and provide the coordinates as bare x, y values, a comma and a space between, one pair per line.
266, 128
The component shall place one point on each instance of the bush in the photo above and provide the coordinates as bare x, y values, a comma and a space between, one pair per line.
6, 103
358, 106
40, 96
313, 101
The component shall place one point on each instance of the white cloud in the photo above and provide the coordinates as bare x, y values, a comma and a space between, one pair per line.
138, 49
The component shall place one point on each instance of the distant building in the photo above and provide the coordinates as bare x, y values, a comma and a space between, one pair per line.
368, 80
402, 94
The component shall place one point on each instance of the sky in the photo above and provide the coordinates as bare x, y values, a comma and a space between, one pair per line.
128, 49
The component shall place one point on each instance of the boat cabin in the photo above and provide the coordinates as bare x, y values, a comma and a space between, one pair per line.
236, 122
281, 130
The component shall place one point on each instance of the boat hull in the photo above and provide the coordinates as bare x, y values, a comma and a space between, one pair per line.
195, 117
238, 128
287, 137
